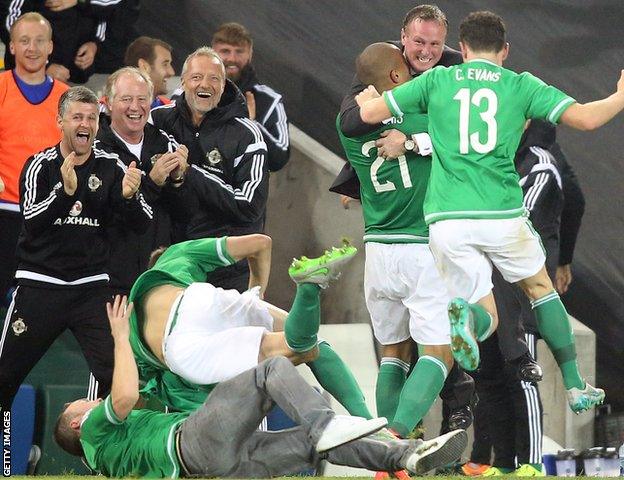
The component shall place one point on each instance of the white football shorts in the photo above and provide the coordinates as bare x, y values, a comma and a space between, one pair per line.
216, 333
465, 249
405, 295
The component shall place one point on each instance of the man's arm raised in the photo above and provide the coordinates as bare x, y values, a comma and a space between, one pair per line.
256, 248
373, 108
589, 116
125, 388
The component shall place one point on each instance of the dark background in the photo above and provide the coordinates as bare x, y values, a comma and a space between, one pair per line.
306, 49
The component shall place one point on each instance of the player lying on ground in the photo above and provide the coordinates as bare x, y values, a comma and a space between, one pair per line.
221, 438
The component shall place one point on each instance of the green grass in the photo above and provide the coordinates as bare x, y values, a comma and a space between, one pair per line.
79, 477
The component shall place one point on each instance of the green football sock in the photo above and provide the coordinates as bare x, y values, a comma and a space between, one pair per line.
482, 321
304, 319
335, 377
390, 381
554, 327
419, 392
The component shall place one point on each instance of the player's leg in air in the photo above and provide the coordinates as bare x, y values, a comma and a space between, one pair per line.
300, 327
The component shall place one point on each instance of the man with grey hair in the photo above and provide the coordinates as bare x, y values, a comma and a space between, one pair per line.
127, 133
227, 157
67, 192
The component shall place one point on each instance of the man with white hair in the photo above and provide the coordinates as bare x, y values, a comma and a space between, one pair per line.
127, 133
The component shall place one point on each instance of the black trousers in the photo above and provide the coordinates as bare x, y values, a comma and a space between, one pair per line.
512, 409
37, 316
10, 226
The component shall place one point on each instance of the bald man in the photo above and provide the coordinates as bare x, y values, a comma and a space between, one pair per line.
410, 303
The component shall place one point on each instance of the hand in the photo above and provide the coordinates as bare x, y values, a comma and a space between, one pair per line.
118, 317
161, 169
182, 155
367, 94
346, 201
251, 105
85, 55
391, 144
1, 185
58, 71
59, 5
68, 174
563, 278
131, 181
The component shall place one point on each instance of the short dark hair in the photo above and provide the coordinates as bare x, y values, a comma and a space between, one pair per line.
76, 94
483, 32
426, 13
66, 437
232, 33
144, 48
155, 255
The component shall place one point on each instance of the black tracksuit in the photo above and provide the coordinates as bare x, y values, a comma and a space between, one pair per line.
71, 28
129, 250
513, 407
62, 264
270, 117
227, 174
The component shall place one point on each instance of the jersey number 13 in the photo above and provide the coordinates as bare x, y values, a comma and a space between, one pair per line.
479, 98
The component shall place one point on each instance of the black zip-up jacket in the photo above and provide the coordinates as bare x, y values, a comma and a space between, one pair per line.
228, 171
540, 180
129, 250
270, 117
63, 239
72, 27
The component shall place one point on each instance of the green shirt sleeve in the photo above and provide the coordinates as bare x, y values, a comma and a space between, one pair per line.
411, 97
544, 101
98, 425
209, 252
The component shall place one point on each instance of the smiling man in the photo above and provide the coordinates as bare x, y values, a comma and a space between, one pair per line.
227, 154
28, 103
152, 56
126, 133
234, 44
67, 192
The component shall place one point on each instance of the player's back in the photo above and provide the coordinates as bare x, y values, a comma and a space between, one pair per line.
477, 112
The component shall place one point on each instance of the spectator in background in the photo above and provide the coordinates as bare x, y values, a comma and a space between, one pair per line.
152, 56
77, 30
512, 406
127, 95
67, 192
120, 31
234, 45
28, 105
227, 154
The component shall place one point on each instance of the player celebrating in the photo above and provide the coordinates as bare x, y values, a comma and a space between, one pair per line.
474, 207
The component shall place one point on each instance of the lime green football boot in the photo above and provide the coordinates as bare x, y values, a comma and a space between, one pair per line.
463, 341
322, 270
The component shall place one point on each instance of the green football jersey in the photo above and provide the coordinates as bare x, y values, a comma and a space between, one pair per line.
392, 190
142, 445
477, 112
181, 264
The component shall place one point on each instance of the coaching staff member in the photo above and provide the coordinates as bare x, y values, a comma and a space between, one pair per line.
67, 193
227, 157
